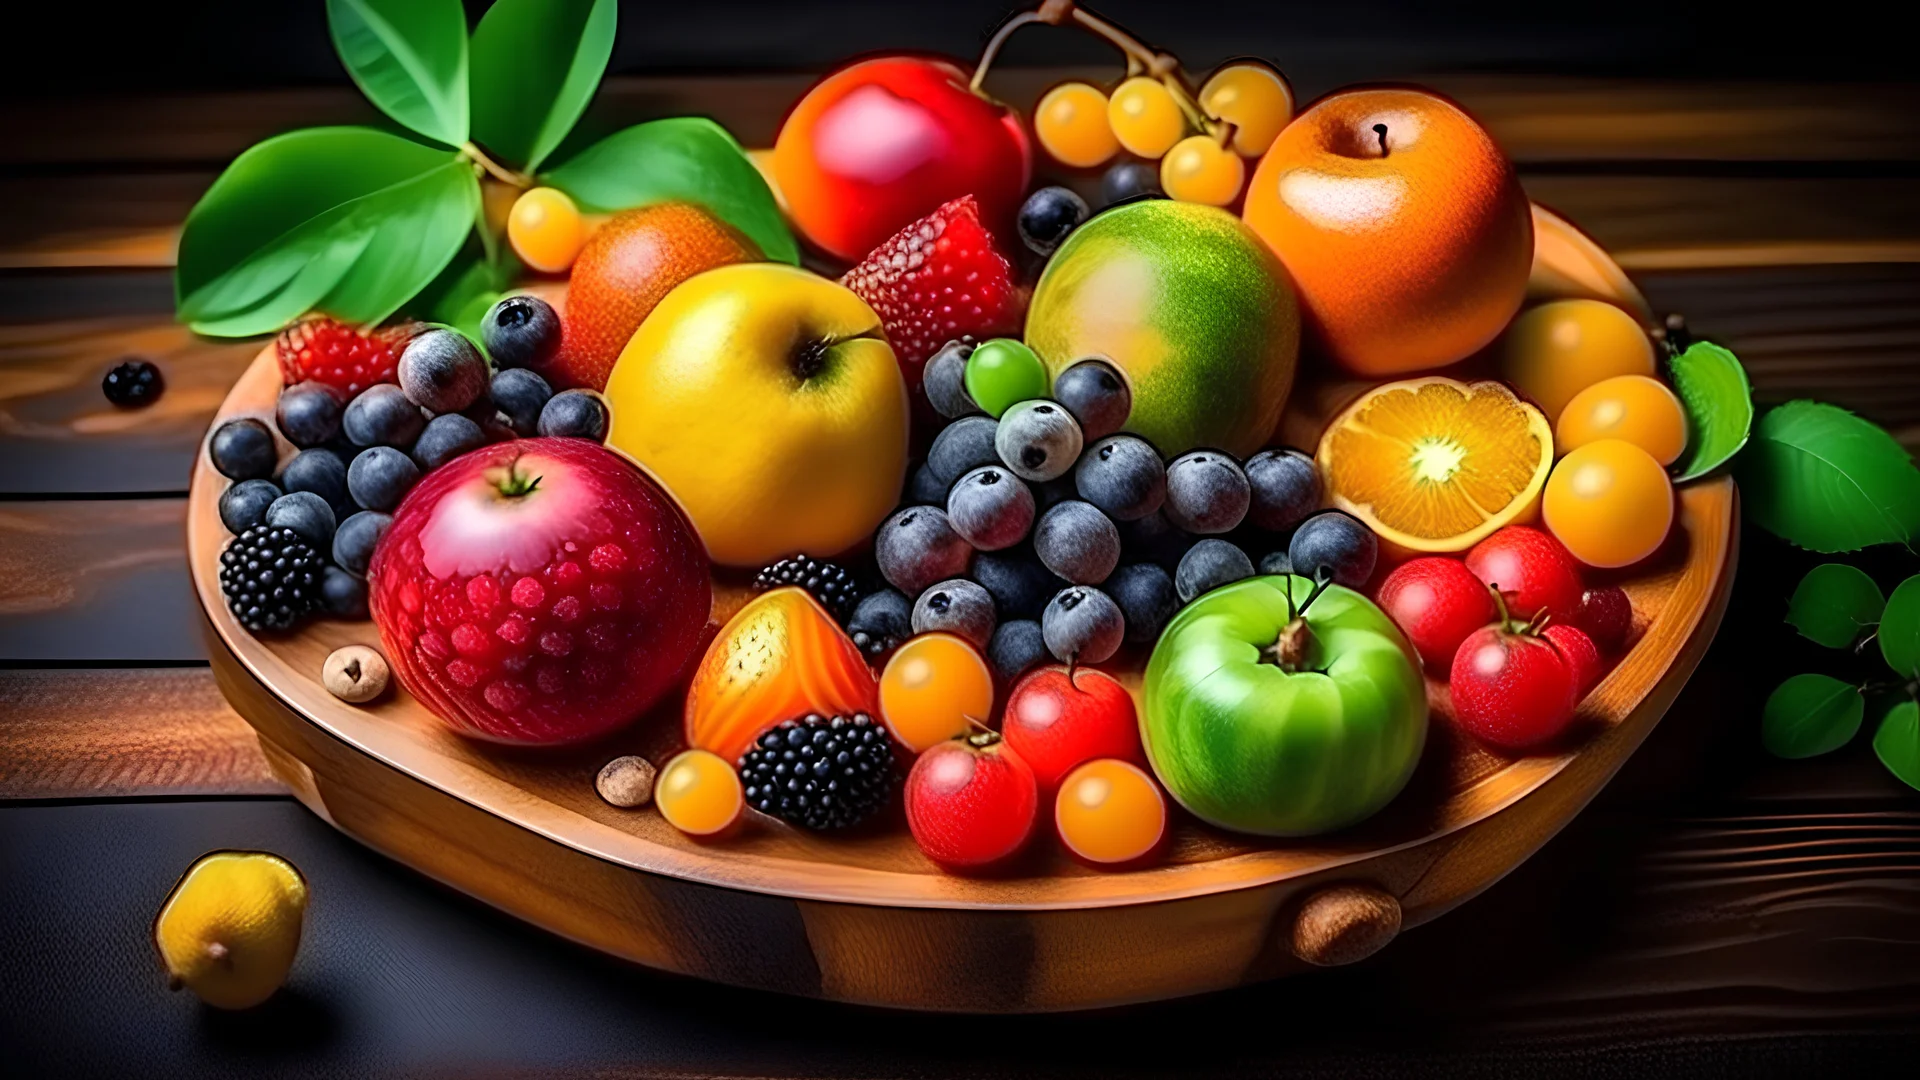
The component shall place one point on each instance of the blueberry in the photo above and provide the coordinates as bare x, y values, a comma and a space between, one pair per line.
924, 488
957, 606
321, 472
990, 508
244, 505
441, 371
962, 446
1038, 440
1048, 216
308, 413
446, 438
133, 383
1276, 562
380, 477
1206, 492
1285, 488
1154, 539
382, 416
1019, 585
1078, 542
1130, 180
1097, 397
520, 394
1016, 648
342, 595
945, 380
243, 450
1146, 597
1334, 544
1208, 565
575, 414
1083, 625
305, 513
1123, 476
917, 547
354, 540
881, 621
520, 332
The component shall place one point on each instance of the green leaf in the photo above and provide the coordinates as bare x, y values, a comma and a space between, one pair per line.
684, 159
536, 64
1818, 476
410, 58
1712, 386
1810, 715
1897, 743
1900, 629
1833, 603
351, 221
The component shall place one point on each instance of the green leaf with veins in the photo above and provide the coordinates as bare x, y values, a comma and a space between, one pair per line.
683, 159
1822, 478
1900, 629
1713, 389
1809, 715
410, 58
350, 221
1833, 603
1897, 742
536, 64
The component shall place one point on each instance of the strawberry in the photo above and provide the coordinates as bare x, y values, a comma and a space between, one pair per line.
936, 280
329, 351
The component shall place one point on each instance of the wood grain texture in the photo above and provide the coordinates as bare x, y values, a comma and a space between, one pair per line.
95, 581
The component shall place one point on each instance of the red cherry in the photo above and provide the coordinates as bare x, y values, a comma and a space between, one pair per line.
1607, 616
879, 144
1532, 570
1513, 690
971, 802
1583, 658
1437, 602
1055, 724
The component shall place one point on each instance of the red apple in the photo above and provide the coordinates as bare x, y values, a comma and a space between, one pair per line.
1437, 601
1513, 689
971, 802
1055, 723
538, 592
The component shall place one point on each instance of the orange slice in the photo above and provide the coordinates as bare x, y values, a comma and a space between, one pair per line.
1436, 464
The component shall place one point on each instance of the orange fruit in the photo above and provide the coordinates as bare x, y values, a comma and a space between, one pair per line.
1402, 224
1555, 350
1610, 503
627, 266
1636, 408
1435, 464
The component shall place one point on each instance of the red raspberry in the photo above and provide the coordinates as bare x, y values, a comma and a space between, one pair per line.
938, 279
329, 351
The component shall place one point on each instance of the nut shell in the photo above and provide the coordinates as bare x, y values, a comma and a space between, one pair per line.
626, 781
355, 673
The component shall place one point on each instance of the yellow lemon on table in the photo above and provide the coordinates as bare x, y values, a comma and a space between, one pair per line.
767, 399
231, 927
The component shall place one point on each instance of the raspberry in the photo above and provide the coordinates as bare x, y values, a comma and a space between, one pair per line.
937, 280
329, 351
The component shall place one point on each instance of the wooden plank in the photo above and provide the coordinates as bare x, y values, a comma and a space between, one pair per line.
96, 581
93, 733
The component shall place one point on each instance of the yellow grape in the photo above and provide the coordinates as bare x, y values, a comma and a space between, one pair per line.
546, 230
1252, 97
1200, 170
1071, 123
1144, 117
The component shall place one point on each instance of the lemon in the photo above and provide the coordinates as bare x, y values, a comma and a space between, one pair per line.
231, 928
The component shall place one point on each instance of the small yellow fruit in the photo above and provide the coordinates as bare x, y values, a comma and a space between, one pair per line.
1071, 124
231, 927
699, 793
1554, 351
1200, 170
546, 230
1637, 408
1609, 502
1144, 117
1252, 97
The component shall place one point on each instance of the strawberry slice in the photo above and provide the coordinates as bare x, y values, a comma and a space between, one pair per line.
936, 280
327, 350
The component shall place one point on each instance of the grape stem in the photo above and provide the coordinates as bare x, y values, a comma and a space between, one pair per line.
493, 168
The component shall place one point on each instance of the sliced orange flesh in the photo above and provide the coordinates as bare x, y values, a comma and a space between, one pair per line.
1435, 464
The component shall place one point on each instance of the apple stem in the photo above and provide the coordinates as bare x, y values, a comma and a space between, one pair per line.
1290, 651
516, 483
1322, 579
1381, 130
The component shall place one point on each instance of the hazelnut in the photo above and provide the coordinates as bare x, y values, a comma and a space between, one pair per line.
355, 673
626, 781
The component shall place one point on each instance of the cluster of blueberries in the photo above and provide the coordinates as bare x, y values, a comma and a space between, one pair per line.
1050, 531
356, 458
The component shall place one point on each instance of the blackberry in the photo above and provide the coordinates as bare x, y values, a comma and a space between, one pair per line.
830, 583
132, 383
271, 577
820, 773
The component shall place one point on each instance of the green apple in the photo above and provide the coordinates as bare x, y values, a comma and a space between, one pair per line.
1263, 720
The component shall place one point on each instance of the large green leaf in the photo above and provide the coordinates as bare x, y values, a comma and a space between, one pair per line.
410, 58
536, 64
351, 221
1809, 715
1900, 629
687, 159
1820, 477
1833, 603
1897, 742
1719, 403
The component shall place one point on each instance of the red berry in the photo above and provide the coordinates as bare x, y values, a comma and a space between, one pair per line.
936, 280
1437, 602
1532, 570
1607, 616
971, 802
1055, 724
539, 613
329, 351
1582, 658
1513, 690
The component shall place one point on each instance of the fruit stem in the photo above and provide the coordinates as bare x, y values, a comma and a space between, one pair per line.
1381, 131
1050, 12
499, 172
1291, 651
1319, 586
516, 483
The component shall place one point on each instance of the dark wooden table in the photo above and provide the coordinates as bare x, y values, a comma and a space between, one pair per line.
1715, 912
